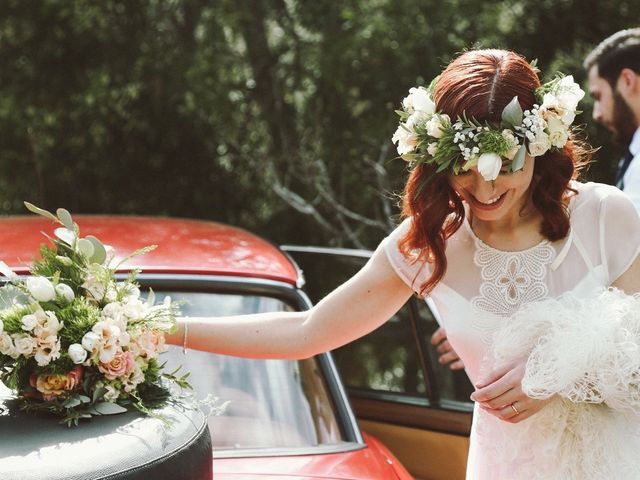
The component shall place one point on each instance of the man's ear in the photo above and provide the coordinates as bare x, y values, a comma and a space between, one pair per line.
628, 83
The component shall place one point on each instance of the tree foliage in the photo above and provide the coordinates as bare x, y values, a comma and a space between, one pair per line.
275, 115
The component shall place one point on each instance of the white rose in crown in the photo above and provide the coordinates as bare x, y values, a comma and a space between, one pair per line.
540, 145
513, 141
406, 140
419, 99
489, 165
41, 289
434, 126
569, 93
558, 132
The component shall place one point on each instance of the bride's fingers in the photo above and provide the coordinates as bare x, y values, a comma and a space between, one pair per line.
506, 398
509, 380
514, 412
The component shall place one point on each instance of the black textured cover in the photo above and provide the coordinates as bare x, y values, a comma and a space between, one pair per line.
114, 447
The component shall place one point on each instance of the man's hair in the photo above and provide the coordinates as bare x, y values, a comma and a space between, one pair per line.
620, 50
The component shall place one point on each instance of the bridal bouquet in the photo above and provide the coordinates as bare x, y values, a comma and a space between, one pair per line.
74, 341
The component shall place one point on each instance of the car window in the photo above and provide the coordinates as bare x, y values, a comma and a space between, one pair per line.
272, 403
396, 358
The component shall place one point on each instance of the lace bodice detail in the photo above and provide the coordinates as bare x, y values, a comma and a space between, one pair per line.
511, 279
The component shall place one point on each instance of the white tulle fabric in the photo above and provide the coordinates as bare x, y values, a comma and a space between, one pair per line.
586, 352
497, 306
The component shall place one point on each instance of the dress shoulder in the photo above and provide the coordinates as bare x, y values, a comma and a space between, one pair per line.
410, 269
606, 213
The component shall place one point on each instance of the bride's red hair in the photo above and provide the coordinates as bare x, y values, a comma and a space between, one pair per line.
481, 83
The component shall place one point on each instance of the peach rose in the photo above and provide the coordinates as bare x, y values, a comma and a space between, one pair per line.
54, 384
121, 364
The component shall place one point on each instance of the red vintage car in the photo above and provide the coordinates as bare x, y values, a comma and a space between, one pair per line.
285, 419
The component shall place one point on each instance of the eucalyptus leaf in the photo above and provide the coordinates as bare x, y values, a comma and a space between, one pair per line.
519, 158
65, 218
512, 114
72, 402
84, 398
108, 408
98, 393
32, 208
99, 252
86, 247
6, 271
66, 235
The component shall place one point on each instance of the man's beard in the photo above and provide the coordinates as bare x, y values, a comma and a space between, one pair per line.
623, 121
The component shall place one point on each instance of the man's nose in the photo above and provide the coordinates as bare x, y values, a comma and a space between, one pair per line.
597, 113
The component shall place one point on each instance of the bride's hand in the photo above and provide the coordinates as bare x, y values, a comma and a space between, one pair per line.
501, 395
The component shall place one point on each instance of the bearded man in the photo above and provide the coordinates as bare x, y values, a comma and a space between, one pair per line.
614, 83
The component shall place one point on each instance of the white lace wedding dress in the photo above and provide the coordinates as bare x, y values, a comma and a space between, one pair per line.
550, 304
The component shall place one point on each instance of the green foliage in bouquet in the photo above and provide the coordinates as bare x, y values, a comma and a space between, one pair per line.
76, 342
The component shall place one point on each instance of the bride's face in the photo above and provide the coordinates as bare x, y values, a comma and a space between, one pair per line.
497, 200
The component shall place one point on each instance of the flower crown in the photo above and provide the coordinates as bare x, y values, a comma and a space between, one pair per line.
426, 136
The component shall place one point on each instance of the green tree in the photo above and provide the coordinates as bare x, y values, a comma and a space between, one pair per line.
275, 115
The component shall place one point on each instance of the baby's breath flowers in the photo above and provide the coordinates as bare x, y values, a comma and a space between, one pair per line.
427, 136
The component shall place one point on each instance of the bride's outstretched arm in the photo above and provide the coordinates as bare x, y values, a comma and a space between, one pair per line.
354, 309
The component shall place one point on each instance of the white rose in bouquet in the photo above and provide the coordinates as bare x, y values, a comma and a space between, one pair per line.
77, 353
41, 289
65, 292
6, 346
29, 322
24, 344
90, 341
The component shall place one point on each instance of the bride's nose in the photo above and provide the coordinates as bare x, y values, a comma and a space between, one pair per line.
481, 188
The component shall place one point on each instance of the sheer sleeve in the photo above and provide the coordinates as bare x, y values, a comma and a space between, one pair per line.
619, 226
412, 271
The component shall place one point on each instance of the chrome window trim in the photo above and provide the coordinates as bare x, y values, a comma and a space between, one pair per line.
288, 452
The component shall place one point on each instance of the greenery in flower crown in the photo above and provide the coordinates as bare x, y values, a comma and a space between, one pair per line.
427, 136
74, 341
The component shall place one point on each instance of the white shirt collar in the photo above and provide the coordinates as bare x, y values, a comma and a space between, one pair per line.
634, 146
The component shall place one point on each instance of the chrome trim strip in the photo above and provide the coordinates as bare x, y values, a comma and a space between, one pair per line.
352, 252
287, 452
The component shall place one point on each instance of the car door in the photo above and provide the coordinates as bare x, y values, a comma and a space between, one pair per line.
418, 408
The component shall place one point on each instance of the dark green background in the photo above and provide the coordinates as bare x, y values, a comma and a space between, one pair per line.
238, 111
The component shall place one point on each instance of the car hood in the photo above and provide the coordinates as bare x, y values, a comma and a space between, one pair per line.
370, 463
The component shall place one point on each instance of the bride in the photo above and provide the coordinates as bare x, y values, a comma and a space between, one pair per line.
518, 257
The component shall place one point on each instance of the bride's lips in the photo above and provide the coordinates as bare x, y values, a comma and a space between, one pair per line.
486, 206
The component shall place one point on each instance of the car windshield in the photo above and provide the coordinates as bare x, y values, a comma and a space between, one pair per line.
272, 403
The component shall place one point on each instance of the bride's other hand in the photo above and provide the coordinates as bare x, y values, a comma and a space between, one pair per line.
446, 354
501, 395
